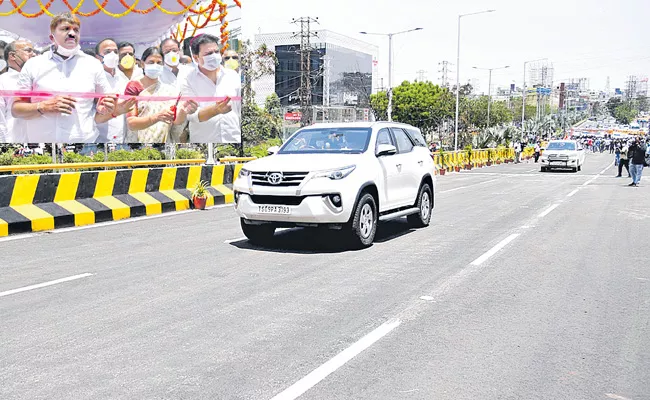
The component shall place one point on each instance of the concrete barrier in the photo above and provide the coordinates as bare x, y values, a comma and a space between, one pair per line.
40, 202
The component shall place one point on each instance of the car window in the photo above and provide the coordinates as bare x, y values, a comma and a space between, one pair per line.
327, 140
416, 137
384, 137
561, 146
404, 144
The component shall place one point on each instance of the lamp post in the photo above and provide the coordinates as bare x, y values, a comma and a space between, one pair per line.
524, 94
458, 74
390, 64
490, 88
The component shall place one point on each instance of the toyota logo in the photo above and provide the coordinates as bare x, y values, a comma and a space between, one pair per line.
274, 178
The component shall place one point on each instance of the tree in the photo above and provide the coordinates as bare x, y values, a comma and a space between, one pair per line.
625, 113
612, 104
643, 104
255, 63
379, 106
273, 106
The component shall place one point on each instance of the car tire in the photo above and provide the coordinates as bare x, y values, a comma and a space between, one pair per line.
576, 169
364, 221
258, 234
424, 204
579, 167
544, 169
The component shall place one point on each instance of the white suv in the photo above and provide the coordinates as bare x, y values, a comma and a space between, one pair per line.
340, 176
563, 154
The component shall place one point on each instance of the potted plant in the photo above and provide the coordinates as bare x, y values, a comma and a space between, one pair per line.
443, 157
200, 195
490, 157
468, 152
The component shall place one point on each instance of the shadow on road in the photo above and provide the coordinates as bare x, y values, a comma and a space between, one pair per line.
314, 241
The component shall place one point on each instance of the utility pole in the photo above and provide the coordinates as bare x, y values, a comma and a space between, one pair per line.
305, 67
421, 75
445, 73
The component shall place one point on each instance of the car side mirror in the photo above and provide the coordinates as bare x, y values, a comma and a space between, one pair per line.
272, 150
386, 150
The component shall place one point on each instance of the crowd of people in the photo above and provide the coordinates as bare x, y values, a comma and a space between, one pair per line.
88, 107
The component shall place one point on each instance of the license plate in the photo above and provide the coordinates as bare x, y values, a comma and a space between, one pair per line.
558, 163
274, 210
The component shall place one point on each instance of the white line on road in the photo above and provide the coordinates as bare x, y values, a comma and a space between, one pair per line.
44, 284
235, 240
294, 391
573, 192
495, 249
468, 186
548, 211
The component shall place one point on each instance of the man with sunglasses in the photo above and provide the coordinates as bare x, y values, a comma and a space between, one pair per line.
231, 60
16, 54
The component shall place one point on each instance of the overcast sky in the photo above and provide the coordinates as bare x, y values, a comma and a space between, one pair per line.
582, 38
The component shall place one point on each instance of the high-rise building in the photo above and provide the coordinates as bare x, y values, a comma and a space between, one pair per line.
343, 70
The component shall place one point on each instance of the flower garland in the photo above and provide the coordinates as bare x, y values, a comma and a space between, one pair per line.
35, 15
157, 4
147, 11
83, 14
180, 33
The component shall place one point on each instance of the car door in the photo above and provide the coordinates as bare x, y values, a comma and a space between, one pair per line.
408, 167
389, 184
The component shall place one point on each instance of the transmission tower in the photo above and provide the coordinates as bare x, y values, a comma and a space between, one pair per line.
445, 73
305, 94
421, 75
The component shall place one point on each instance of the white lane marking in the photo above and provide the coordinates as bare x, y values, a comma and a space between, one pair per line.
494, 249
532, 170
426, 298
44, 284
615, 396
107, 223
573, 192
548, 211
468, 186
320, 373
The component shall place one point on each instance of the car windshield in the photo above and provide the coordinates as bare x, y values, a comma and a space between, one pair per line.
328, 140
561, 146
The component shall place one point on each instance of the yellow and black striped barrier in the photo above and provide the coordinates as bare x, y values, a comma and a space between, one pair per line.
39, 202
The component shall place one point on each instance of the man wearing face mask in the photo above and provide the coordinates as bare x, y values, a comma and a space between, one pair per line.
231, 60
64, 68
218, 121
114, 129
128, 65
16, 53
174, 70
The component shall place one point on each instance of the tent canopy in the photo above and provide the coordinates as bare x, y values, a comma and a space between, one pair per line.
139, 29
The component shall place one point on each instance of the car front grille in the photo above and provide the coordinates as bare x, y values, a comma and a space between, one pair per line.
277, 200
289, 179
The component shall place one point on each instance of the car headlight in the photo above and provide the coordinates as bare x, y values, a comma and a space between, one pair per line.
336, 174
244, 173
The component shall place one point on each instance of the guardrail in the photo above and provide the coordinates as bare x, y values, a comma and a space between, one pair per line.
116, 164
462, 159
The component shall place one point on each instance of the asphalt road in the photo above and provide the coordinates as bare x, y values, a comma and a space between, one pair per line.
527, 285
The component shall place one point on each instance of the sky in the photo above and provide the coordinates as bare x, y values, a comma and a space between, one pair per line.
592, 39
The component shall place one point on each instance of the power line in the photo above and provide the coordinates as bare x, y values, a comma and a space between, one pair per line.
305, 66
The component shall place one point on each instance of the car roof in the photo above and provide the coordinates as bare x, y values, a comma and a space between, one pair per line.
361, 124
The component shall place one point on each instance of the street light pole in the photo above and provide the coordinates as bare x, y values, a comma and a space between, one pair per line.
458, 75
389, 110
524, 95
490, 89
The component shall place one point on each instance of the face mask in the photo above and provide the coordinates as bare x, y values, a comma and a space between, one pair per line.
232, 64
3, 64
127, 62
153, 71
111, 60
212, 61
66, 52
172, 58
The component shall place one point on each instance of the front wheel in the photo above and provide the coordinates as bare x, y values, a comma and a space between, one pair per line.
258, 234
424, 204
364, 221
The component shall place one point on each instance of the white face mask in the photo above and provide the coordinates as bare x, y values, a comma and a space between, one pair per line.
66, 52
212, 61
153, 71
172, 59
111, 60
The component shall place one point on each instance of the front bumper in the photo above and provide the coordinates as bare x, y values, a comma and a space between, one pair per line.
310, 210
560, 163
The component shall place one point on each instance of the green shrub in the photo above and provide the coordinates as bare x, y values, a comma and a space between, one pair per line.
187, 154
70, 157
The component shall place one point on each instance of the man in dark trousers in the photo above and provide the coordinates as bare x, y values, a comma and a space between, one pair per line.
637, 161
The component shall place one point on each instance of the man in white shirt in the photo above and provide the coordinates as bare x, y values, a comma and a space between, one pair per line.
173, 72
128, 66
16, 54
64, 68
217, 121
114, 130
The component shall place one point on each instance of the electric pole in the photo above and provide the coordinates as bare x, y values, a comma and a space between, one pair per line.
421, 75
305, 67
445, 73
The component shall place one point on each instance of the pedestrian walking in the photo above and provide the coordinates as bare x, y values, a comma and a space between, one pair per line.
637, 161
538, 151
624, 161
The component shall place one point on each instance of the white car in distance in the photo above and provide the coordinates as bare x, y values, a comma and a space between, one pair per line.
563, 154
344, 176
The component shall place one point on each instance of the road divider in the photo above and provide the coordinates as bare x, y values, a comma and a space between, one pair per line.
41, 202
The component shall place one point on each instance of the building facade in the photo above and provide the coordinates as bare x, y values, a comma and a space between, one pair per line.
342, 71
